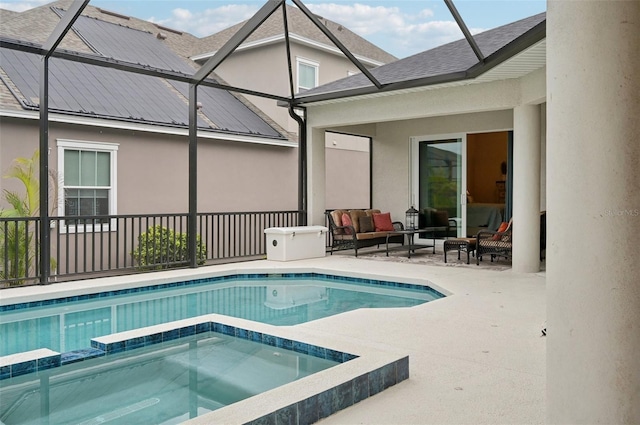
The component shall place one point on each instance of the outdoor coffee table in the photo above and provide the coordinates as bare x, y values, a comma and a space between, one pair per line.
459, 244
411, 246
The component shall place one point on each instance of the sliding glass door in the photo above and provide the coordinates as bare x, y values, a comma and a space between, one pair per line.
439, 183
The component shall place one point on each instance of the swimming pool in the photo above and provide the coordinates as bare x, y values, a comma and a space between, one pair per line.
368, 370
165, 384
69, 323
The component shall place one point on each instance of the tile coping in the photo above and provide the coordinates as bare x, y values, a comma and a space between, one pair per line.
231, 277
366, 375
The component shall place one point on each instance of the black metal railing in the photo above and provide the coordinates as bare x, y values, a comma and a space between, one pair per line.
114, 244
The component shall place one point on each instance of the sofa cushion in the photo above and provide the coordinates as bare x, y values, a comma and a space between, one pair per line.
346, 221
355, 218
371, 235
440, 218
370, 213
336, 215
382, 222
366, 224
503, 227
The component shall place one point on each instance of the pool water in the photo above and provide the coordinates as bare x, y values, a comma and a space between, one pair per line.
166, 384
64, 326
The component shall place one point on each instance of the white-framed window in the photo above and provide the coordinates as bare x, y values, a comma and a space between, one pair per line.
87, 183
307, 74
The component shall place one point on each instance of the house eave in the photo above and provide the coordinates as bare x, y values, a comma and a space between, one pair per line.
532, 44
147, 128
295, 38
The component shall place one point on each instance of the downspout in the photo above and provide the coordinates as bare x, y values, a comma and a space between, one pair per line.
302, 163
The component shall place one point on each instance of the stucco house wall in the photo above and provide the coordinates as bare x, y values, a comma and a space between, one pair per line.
480, 107
152, 169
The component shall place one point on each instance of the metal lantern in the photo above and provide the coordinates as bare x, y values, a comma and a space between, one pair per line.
411, 220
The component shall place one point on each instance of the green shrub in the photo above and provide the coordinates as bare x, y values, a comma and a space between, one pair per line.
161, 248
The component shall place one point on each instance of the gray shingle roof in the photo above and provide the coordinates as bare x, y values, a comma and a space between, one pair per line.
83, 89
448, 59
301, 25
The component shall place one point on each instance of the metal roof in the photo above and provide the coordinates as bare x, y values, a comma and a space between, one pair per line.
84, 89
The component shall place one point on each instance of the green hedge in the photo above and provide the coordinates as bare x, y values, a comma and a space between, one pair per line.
162, 248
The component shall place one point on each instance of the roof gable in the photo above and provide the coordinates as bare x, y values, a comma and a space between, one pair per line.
298, 24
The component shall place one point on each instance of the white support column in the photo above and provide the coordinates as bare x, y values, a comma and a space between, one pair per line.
316, 176
526, 189
593, 195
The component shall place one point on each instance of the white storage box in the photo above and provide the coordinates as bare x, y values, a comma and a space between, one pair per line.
295, 243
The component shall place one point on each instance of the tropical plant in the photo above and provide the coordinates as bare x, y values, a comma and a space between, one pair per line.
18, 246
161, 248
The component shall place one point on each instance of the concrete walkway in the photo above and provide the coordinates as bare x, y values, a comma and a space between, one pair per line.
476, 356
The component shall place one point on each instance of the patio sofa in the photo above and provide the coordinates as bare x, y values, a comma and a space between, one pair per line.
355, 229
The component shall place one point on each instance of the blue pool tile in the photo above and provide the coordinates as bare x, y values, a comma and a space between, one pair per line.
5, 372
375, 382
316, 351
171, 335
269, 340
217, 327
308, 411
99, 345
287, 415
343, 396
242, 333
23, 368
187, 331
116, 347
333, 355
133, 343
255, 336
203, 327
71, 357
346, 357
301, 347
229, 330
389, 375
326, 403
402, 369
153, 339
360, 388
48, 362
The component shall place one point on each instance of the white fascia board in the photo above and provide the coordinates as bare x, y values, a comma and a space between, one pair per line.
147, 128
293, 37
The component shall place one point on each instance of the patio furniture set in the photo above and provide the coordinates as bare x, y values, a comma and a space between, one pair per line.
354, 229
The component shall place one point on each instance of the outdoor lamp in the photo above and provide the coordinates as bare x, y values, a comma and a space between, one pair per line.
411, 220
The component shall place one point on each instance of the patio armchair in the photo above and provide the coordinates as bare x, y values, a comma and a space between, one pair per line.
495, 244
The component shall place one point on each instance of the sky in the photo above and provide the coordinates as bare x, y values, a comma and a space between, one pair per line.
401, 27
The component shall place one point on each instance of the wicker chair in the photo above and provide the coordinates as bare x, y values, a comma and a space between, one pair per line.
495, 244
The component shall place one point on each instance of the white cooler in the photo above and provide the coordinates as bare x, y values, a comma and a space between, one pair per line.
295, 243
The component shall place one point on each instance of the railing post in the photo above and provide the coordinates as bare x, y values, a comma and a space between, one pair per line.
193, 176
45, 235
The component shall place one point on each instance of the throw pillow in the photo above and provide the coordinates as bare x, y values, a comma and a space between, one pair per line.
366, 224
346, 221
382, 222
440, 218
503, 227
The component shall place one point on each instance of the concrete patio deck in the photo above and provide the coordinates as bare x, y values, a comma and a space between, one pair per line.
476, 356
